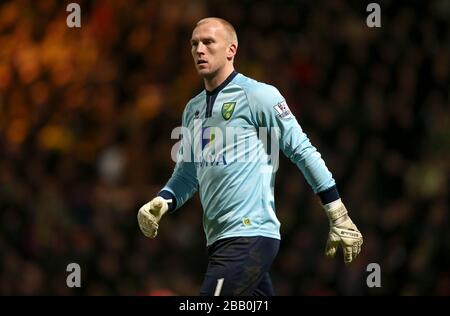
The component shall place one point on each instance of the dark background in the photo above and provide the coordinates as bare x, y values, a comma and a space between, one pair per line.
86, 116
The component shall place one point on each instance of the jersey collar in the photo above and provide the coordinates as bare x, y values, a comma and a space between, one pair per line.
223, 84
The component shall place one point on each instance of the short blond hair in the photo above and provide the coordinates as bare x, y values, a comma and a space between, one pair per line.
227, 25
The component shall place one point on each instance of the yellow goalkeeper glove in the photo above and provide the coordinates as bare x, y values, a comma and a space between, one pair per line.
150, 214
342, 232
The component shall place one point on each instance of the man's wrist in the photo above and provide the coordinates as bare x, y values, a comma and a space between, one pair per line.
329, 195
336, 212
167, 195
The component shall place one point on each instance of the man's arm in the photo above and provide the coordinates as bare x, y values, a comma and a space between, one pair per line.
181, 186
270, 110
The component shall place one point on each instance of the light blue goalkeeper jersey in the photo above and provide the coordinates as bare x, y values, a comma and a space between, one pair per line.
225, 156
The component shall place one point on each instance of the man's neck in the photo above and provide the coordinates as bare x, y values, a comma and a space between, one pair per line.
215, 81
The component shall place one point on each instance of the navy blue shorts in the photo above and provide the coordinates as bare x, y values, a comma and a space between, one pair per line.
240, 266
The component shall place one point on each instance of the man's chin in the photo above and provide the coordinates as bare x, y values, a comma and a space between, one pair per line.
206, 73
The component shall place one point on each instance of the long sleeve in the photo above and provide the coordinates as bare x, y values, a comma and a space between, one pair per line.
183, 183
271, 111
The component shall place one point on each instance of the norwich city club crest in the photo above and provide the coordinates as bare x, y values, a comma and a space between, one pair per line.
227, 109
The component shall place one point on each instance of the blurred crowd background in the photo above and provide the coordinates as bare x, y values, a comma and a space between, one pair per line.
86, 116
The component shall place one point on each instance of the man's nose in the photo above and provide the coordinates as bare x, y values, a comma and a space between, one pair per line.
200, 48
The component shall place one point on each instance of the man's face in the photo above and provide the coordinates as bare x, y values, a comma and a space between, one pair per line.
210, 48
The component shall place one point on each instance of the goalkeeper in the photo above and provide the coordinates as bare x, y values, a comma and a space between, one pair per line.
239, 219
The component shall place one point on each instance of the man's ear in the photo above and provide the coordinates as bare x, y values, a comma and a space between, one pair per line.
231, 51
